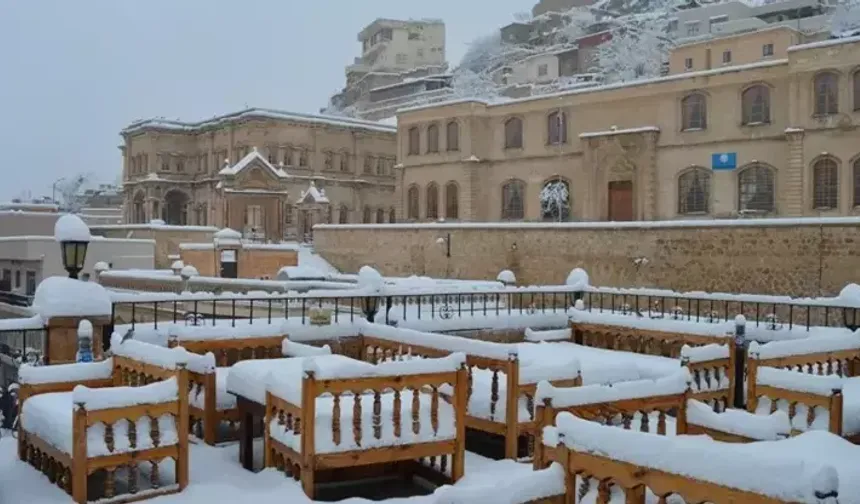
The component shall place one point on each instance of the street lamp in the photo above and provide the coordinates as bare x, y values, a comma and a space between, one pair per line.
74, 238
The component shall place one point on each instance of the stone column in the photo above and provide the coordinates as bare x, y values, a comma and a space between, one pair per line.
791, 185
399, 193
648, 168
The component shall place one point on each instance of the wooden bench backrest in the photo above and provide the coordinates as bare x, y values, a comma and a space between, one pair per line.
230, 351
641, 341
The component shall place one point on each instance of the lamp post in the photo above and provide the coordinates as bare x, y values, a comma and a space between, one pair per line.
74, 238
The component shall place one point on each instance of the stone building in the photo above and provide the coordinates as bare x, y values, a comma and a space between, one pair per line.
771, 132
250, 170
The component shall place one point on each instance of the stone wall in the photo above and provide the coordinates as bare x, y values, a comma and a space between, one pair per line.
167, 238
254, 261
799, 257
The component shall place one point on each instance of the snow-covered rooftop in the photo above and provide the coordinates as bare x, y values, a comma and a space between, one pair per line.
252, 113
315, 195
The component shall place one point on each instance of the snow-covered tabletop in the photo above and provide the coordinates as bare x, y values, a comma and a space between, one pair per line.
250, 378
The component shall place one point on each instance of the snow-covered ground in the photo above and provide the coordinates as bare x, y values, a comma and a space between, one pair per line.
217, 476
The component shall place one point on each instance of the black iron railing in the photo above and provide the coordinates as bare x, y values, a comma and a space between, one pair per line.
15, 299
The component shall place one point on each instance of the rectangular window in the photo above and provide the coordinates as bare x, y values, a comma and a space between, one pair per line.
727, 56
767, 50
543, 70
692, 28
400, 59
31, 283
688, 64
17, 279
414, 36
254, 216
716, 20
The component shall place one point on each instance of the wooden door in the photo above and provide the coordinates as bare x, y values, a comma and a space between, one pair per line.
621, 200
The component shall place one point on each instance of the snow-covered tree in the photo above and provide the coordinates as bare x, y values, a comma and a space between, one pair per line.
69, 191
639, 46
555, 201
469, 84
577, 21
846, 19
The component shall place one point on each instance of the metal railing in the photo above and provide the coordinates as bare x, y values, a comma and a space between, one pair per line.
15, 299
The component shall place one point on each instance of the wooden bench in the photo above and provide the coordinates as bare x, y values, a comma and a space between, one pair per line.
214, 415
119, 393
639, 339
610, 457
318, 425
496, 385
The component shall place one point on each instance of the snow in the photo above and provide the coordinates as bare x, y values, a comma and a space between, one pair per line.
177, 265
228, 236
704, 353
577, 278
799, 382
849, 296
555, 335
251, 378
443, 342
66, 297
814, 345
675, 384
101, 266
94, 399
446, 364
224, 401
301, 273
823, 43
189, 271
65, 373
751, 467
739, 422
294, 349
369, 278
22, 324
515, 320
718, 330
71, 228
160, 356
507, 277
616, 131
315, 195
50, 417
251, 157
555, 197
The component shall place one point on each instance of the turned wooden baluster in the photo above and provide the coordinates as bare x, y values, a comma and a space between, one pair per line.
469, 384
661, 423
356, 417
155, 432
377, 414
132, 478
603, 492
110, 490
154, 480
125, 376
109, 441
662, 499
697, 378
289, 422
132, 433
494, 394
584, 486
67, 480
530, 406
820, 368
792, 409
335, 420
626, 418
416, 423
434, 410
810, 415
395, 416
830, 361
644, 423
773, 406
297, 426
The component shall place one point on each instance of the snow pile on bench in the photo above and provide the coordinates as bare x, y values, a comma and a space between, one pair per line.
745, 467
739, 422
166, 358
819, 344
595, 394
441, 342
666, 324
123, 397
704, 353
505, 484
493, 319
295, 349
554, 335
65, 297
65, 373
445, 364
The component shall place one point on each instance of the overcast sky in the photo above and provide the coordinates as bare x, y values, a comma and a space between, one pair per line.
75, 72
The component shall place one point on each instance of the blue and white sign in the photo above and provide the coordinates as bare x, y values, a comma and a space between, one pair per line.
724, 161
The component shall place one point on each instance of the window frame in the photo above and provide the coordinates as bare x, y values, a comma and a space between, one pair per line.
456, 129
513, 139
771, 175
509, 213
686, 117
432, 139
413, 143
747, 114
684, 208
825, 198
431, 201
831, 104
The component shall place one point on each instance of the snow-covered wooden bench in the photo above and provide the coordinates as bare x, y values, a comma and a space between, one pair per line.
498, 380
83, 422
641, 334
712, 373
600, 462
228, 351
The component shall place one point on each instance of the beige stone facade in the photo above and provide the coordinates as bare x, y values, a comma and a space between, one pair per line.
787, 123
766, 256
248, 171
252, 260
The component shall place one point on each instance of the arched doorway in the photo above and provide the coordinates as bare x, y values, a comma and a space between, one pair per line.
138, 208
176, 208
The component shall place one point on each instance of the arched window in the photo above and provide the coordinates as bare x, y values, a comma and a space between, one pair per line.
514, 133
414, 141
328, 215
755, 101
857, 182
825, 184
555, 201
380, 216
432, 138
556, 125
344, 161
826, 93
392, 216
452, 136
694, 191
366, 216
694, 112
412, 203
343, 215
139, 210
176, 208
432, 201
756, 189
856, 90
452, 201
513, 200
288, 214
